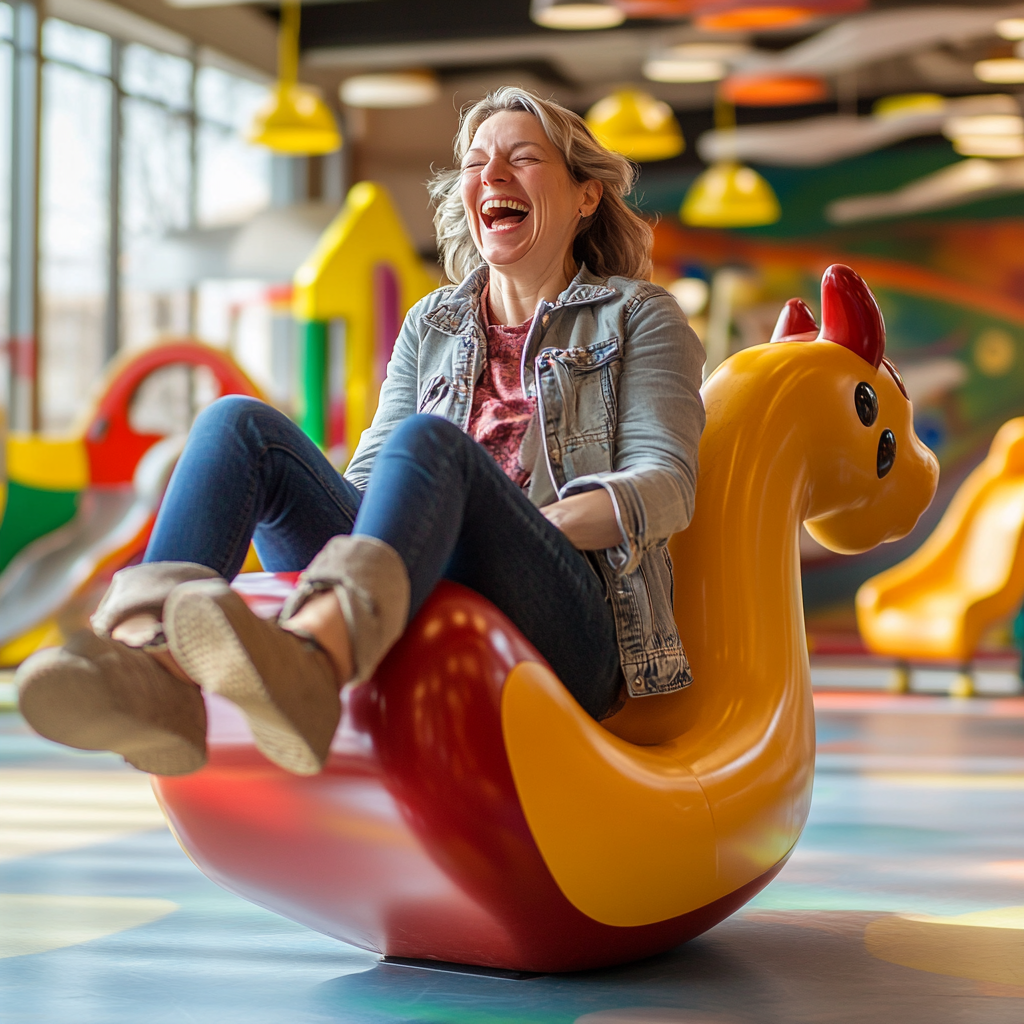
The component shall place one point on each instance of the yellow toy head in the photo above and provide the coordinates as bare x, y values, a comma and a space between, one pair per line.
872, 476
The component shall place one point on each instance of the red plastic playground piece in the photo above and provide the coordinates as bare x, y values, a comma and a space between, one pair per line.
412, 841
113, 448
850, 315
796, 323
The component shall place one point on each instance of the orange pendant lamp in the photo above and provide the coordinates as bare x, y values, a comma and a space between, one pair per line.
741, 15
294, 120
765, 15
773, 90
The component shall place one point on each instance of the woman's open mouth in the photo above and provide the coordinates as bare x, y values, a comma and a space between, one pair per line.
503, 213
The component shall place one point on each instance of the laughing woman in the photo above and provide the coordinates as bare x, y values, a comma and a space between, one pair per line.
536, 440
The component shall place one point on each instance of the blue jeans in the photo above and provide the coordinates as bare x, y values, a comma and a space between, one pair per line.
435, 495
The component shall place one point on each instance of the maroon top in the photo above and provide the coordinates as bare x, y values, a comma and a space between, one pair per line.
500, 413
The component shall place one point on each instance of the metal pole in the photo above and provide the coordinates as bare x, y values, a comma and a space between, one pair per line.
23, 345
721, 306
112, 326
193, 182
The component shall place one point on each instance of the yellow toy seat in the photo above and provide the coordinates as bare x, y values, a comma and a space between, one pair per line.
966, 576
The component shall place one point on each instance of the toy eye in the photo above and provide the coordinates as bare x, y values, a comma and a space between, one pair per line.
866, 401
886, 451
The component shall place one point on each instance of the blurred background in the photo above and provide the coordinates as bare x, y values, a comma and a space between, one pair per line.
199, 199
138, 202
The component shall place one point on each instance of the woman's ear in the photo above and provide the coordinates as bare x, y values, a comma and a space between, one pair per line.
592, 192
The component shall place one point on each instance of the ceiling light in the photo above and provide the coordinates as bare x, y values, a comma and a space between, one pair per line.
753, 18
989, 145
1000, 69
983, 124
675, 69
729, 195
691, 293
296, 121
406, 89
294, 118
1011, 28
576, 14
693, 62
908, 104
754, 15
773, 90
636, 125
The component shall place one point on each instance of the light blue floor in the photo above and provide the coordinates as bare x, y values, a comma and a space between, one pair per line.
944, 840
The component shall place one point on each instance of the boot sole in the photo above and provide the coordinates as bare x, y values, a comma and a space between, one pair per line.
206, 646
150, 748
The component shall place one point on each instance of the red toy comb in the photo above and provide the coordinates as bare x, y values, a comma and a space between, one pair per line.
796, 323
850, 315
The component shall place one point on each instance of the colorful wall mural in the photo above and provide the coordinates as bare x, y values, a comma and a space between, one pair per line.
950, 285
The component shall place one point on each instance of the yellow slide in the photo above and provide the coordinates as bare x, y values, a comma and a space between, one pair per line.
966, 576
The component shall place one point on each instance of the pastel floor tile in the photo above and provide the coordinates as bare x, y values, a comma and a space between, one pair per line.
914, 849
37, 923
47, 811
987, 945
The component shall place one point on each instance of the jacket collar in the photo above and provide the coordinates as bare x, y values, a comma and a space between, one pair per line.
460, 312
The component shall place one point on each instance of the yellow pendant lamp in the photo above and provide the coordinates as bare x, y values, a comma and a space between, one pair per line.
728, 194
294, 120
636, 125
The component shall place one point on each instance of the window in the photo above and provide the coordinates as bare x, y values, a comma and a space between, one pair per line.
74, 229
139, 148
156, 190
233, 184
156, 187
6, 70
234, 177
161, 77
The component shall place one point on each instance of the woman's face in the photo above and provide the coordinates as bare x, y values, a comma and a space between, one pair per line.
521, 202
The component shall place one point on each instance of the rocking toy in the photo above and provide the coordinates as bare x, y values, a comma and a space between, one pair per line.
472, 812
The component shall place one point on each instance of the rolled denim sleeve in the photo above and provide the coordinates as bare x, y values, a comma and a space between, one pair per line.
398, 397
657, 435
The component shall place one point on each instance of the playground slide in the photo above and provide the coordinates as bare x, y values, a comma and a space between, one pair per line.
80, 508
112, 526
3, 464
967, 576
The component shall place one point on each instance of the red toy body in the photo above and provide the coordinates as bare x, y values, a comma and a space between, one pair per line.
412, 841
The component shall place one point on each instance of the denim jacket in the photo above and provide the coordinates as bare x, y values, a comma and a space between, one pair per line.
616, 372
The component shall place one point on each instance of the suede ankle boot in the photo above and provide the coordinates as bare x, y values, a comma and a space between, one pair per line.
284, 684
97, 694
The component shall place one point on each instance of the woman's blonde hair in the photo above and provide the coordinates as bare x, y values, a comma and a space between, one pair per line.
612, 241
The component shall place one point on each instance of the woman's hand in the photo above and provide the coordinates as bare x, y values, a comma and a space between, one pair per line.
587, 519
